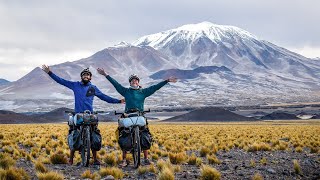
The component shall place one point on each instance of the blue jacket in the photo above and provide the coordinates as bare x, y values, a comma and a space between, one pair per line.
83, 94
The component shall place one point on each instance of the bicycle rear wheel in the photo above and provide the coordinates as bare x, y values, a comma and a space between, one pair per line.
136, 147
85, 151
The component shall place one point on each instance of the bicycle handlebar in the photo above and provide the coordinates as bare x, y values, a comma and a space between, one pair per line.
120, 113
94, 112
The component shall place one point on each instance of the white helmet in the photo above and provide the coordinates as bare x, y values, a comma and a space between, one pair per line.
134, 76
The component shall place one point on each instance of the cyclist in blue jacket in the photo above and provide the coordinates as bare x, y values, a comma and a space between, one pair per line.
84, 93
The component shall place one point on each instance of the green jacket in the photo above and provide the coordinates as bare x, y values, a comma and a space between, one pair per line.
135, 97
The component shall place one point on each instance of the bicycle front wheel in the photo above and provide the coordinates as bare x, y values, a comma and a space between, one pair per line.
85, 151
136, 147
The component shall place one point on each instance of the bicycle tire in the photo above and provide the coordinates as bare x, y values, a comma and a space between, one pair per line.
85, 151
136, 147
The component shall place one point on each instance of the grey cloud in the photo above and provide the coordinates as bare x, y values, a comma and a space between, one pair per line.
75, 25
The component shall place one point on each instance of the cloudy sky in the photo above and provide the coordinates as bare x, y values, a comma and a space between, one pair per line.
37, 32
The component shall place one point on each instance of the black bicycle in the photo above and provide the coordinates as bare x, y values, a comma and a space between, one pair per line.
134, 122
87, 121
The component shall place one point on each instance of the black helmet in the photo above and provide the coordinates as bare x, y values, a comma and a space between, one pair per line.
134, 76
85, 71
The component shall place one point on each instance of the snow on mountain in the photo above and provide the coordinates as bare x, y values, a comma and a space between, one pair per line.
207, 44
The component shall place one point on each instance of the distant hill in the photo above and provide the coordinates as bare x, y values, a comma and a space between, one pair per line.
279, 116
209, 114
55, 116
9, 117
4, 82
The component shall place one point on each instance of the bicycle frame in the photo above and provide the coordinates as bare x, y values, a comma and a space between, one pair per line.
135, 138
86, 129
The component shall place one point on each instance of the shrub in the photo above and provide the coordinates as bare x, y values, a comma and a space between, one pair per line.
208, 172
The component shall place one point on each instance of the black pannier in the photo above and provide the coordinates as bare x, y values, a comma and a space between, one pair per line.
125, 140
74, 139
145, 139
96, 140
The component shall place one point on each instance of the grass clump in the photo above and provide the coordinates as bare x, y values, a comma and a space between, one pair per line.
13, 173
263, 161
166, 174
204, 151
298, 149
208, 172
192, 160
213, 159
296, 167
142, 170
87, 174
113, 171
50, 176
257, 176
252, 163
177, 158
110, 160
6, 161
40, 167
58, 158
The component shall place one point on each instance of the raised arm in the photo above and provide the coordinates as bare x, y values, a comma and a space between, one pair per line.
66, 83
122, 90
106, 98
152, 89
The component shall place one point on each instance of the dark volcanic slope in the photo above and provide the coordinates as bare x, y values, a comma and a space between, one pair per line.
279, 116
57, 115
209, 114
9, 117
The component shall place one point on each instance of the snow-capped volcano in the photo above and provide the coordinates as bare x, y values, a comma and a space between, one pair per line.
207, 44
216, 65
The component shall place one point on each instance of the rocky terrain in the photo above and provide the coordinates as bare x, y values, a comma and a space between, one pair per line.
235, 164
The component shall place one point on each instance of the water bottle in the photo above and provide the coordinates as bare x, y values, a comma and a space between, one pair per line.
70, 121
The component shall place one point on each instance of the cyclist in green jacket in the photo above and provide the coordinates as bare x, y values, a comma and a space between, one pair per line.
134, 97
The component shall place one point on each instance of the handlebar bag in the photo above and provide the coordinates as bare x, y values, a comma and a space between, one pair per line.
130, 121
